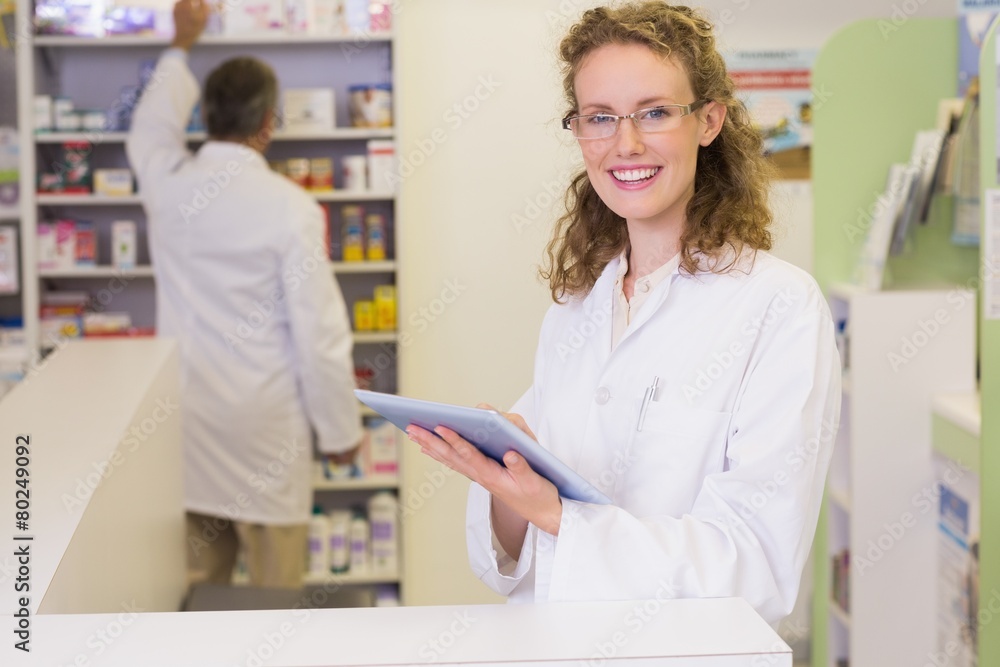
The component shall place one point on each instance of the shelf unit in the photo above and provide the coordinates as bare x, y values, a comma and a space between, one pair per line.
882, 455
66, 66
109, 137
882, 460
278, 39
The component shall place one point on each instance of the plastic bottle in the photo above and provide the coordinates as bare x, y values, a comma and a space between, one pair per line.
382, 513
340, 555
319, 542
360, 537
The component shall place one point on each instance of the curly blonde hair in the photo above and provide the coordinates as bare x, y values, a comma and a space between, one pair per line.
729, 206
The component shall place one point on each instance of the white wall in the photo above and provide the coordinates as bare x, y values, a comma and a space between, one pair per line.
457, 222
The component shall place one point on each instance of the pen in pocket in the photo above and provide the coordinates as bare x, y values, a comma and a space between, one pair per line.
646, 398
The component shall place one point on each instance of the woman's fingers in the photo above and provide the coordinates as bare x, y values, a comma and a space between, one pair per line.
513, 418
450, 449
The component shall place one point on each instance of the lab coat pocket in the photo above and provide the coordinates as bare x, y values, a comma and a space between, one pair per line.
668, 459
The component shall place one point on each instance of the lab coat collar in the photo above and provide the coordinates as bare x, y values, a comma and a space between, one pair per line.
225, 151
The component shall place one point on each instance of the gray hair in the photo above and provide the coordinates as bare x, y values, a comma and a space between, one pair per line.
238, 94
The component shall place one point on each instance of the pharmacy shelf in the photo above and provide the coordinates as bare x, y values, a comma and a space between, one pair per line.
387, 266
350, 196
837, 612
349, 578
339, 133
372, 337
97, 272
277, 38
357, 483
87, 200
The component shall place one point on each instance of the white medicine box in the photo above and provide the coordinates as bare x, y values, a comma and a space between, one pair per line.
308, 110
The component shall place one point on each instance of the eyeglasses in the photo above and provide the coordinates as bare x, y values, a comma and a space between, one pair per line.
653, 119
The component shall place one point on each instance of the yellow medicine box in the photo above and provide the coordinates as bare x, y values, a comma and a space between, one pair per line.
385, 307
364, 315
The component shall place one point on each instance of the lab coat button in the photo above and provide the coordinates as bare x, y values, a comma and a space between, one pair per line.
643, 286
602, 396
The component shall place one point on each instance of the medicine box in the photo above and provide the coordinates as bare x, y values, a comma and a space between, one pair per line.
123, 244
385, 307
46, 246
113, 182
380, 455
308, 110
9, 282
86, 244
65, 232
254, 16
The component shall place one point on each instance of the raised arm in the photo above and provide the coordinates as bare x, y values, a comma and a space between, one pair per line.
156, 141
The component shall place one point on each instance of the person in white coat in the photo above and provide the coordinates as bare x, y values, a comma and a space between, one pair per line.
683, 370
244, 284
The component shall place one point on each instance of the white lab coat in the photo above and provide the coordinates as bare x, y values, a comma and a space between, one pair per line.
244, 284
719, 493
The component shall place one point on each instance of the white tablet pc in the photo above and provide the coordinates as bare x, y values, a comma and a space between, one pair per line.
491, 433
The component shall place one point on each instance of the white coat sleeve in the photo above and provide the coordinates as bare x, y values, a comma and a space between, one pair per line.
321, 334
156, 143
751, 525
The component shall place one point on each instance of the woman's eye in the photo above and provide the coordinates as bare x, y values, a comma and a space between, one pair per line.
659, 113
599, 119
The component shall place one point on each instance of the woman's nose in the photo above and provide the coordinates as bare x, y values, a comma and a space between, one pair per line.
628, 141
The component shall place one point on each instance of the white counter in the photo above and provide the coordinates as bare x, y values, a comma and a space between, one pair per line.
106, 514
679, 633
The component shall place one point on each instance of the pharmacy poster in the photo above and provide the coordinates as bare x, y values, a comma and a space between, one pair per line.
776, 88
958, 565
974, 20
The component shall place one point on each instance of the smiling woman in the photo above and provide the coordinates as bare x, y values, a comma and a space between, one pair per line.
669, 58
681, 366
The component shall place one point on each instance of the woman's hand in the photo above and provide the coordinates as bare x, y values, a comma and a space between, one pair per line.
517, 486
